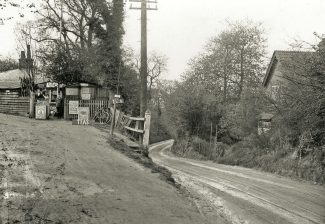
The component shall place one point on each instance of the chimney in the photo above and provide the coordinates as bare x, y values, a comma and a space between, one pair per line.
29, 60
29, 55
22, 55
22, 60
26, 63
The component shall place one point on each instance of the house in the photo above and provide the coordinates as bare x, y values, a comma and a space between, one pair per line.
14, 86
84, 94
11, 84
284, 68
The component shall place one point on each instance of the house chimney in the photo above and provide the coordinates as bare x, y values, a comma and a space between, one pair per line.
29, 61
29, 55
22, 60
22, 55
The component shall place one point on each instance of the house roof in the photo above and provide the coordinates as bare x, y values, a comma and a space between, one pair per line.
291, 58
11, 79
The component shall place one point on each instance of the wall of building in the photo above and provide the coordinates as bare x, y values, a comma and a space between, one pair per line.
11, 105
277, 82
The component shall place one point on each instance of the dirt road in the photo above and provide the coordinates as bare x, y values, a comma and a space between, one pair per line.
246, 195
53, 172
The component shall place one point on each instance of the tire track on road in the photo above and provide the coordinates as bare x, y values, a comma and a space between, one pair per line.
236, 184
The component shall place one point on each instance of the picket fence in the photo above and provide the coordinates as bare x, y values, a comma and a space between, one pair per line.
93, 105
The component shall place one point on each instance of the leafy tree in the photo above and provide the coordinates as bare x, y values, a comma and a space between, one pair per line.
64, 69
90, 37
231, 62
8, 64
217, 87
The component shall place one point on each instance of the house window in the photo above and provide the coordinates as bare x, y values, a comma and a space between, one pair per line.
275, 91
264, 127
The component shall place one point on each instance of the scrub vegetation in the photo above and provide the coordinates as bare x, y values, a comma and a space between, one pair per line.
222, 90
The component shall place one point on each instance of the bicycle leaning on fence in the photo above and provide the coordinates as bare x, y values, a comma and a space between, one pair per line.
102, 115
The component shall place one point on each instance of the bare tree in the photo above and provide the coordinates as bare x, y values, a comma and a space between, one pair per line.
157, 65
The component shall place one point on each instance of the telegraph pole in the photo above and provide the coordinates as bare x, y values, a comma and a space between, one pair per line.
61, 25
143, 68
144, 58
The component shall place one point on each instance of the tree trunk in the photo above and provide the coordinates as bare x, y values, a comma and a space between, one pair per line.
241, 82
225, 77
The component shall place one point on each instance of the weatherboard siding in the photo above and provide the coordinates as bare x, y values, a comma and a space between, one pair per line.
10, 105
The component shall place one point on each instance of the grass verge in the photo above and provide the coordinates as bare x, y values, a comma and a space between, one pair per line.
141, 156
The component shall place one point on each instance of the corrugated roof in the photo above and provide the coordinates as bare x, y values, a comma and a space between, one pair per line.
11, 79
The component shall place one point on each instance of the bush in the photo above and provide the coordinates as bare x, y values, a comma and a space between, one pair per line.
253, 152
195, 148
184, 148
311, 167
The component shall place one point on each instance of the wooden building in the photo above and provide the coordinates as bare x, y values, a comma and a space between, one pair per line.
284, 66
87, 91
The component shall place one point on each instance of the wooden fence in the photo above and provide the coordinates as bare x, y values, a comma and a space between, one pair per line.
14, 105
93, 105
138, 126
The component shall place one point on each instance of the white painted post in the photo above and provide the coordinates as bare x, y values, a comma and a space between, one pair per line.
146, 129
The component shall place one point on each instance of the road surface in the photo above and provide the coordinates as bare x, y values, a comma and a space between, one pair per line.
55, 172
246, 195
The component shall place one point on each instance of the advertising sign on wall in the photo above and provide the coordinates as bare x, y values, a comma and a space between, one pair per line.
85, 96
40, 112
72, 91
83, 115
73, 106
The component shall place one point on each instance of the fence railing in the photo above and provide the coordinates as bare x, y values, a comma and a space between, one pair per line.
94, 105
140, 126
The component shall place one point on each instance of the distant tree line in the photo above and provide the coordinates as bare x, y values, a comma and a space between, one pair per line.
8, 64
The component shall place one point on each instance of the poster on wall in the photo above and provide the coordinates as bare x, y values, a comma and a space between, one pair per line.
40, 112
72, 91
85, 96
73, 106
83, 115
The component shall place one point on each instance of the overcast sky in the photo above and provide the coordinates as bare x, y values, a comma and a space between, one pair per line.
180, 28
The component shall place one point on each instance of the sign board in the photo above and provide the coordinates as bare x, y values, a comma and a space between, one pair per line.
73, 106
83, 115
51, 85
72, 91
117, 96
118, 100
85, 96
40, 112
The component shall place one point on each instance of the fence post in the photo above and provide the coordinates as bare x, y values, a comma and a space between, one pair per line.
64, 109
31, 105
146, 128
